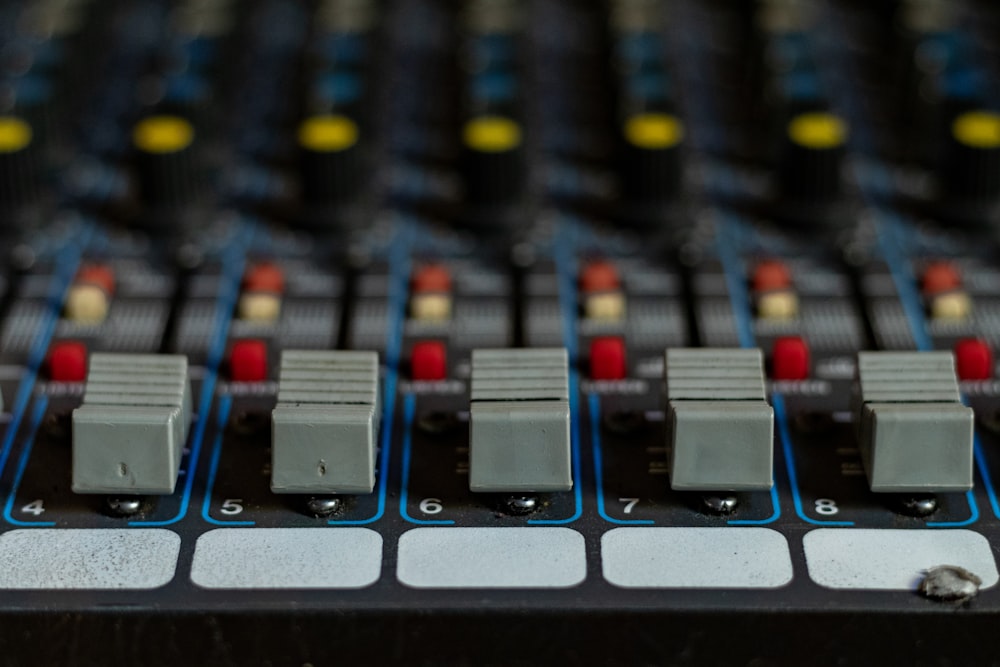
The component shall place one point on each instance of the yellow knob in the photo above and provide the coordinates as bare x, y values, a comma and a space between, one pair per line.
15, 134
491, 134
328, 133
977, 129
654, 131
818, 130
162, 134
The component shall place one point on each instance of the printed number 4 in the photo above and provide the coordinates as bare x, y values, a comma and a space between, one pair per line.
35, 507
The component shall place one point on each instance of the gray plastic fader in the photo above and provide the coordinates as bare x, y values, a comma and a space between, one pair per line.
519, 421
325, 425
721, 435
129, 434
913, 431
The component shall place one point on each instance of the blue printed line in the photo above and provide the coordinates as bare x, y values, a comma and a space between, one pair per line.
739, 298
67, 262
234, 264
985, 474
225, 404
36, 418
567, 296
399, 260
383, 459
778, 402
973, 515
574, 411
409, 410
595, 435
567, 304
887, 234
775, 503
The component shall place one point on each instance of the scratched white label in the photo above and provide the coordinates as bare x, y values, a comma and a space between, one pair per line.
492, 558
870, 559
88, 559
653, 557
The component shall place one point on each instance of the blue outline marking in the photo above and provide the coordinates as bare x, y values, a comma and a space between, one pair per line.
400, 261
778, 403
36, 418
886, 234
225, 404
383, 459
732, 266
974, 517
67, 262
233, 271
985, 474
763, 522
739, 301
595, 441
567, 304
567, 299
574, 410
409, 409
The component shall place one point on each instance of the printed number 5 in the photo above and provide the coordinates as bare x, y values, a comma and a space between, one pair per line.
232, 506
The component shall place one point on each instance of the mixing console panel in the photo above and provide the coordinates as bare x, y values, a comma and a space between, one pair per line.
499, 331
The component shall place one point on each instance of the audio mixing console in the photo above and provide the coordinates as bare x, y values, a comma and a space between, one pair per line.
499, 332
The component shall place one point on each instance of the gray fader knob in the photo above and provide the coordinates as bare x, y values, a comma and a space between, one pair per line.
129, 434
519, 431
325, 425
914, 433
721, 435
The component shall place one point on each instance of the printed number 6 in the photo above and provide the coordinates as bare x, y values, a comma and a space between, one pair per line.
431, 505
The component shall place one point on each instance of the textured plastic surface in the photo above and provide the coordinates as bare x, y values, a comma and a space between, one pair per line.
921, 447
913, 432
720, 429
130, 430
721, 445
325, 426
519, 433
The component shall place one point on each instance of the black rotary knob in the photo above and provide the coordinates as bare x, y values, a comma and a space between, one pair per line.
20, 165
812, 157
493, 169
651, 160
165, 168
330, 160
970, 168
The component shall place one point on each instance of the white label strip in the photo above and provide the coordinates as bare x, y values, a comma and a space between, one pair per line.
637, 557
287, 558
870, 559
88, 559
492, 558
